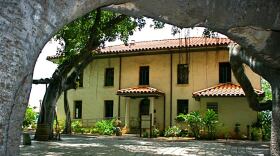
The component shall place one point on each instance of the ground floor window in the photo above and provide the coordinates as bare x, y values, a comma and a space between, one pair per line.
213, 106
109, 108
78, 109
182, 106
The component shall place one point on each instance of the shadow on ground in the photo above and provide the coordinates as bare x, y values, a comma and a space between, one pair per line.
133, 146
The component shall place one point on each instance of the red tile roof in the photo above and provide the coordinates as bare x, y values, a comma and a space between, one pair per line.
154, 45
140, 91
166, 44
225, 89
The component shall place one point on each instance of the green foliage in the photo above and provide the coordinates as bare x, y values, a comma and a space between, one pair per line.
86, 130
93, 130
173, 131
75, 36
105, 127
76, 127
145, 135
184, 133
61, 125
155, 133
29, 118
264, 124
210, 121
267, 90
181, 118
157, 24
194, 121
256, 134
209, 33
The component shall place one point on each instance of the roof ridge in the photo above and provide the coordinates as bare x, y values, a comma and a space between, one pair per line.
217, 85
226, 87
168, 40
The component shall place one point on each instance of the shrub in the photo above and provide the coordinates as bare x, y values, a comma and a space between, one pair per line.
181, 118
117, 123
155, 133
161, 133
61, 124
145, 135
77, 126
105, 127
29, 118
210, 122
93, 130
183, 133
86, 130
256, 134
172, 131
194, 121
264, 118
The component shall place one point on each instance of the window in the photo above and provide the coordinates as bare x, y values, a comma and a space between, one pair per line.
213, 106
182, 107
109, 77
224, 72
144, 75
77, 109
109, 107
80, 79
183, 73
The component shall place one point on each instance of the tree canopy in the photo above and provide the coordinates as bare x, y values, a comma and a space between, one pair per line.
79, 39
75, 36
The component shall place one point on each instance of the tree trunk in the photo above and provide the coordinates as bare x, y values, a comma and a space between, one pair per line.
67, 128
47, 112
275, 124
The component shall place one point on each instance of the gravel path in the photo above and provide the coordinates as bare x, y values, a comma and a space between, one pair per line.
133, 146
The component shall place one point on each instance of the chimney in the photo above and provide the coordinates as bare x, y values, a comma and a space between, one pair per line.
132, 43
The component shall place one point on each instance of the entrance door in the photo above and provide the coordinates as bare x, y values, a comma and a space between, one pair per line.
144, 107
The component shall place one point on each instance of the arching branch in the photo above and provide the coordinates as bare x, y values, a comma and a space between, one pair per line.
236, 60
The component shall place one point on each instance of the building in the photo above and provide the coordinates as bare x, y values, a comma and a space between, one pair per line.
163, 78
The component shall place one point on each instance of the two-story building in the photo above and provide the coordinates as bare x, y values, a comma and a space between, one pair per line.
163, 78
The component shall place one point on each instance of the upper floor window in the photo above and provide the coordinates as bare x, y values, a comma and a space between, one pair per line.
182, 107
183, 73
224, 72
109, 77
77, 109
144, 75
213, 106
80, 79
109, 108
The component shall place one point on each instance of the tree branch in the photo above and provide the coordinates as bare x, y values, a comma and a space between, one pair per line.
42, 81
236, 62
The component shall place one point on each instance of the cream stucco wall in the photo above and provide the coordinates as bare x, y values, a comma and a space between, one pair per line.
203, 73
230, 112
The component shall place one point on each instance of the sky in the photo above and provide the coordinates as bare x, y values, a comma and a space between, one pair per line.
45, 69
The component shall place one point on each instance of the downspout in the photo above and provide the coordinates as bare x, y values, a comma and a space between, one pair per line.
171, 86
119, 100
164, 109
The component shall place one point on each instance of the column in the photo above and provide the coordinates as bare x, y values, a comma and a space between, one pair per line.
152, 99
127, 112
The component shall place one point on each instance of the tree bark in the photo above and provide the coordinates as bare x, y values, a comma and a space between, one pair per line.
47, 112
67, 128
237, 57
275, 127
